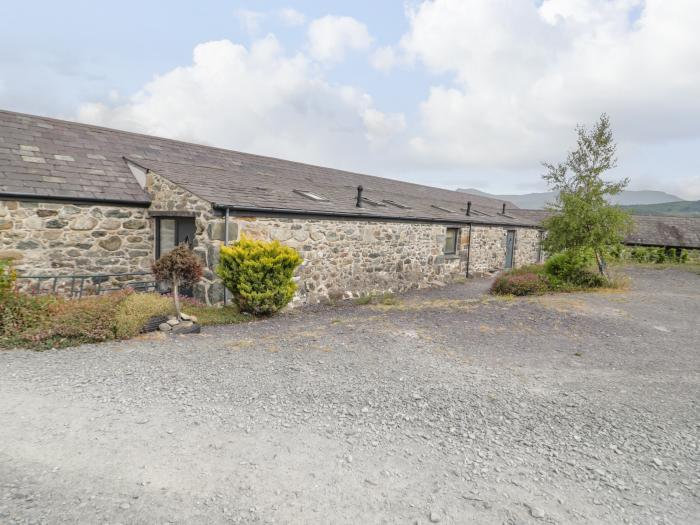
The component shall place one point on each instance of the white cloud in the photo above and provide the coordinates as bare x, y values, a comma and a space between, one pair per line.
331, 37
259, 100
523, 75
384, 59
291, 17
250, 20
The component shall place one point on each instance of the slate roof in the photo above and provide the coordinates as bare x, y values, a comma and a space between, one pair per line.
648, 230
44, 157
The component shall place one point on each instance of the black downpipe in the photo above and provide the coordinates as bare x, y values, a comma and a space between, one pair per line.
469, 248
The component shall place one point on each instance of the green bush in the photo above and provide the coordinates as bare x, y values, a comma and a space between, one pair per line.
136, 309
49, 321
520, 284
7, 278
259, 274
568, 269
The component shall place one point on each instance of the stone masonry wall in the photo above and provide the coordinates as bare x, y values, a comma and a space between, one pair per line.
349, 258
168, 196
44, 238
488, 248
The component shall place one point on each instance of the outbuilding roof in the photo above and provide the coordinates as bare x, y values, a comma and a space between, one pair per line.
647, 230
47, 158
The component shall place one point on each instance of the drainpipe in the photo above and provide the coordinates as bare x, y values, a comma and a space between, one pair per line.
226, 214
469, 249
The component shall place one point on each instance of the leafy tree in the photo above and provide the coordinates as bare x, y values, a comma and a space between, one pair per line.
583, 220
178, 267
259, 274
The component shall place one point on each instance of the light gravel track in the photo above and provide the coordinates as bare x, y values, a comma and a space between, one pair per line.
449, 406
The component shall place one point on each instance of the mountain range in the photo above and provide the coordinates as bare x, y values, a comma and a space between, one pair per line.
537, 201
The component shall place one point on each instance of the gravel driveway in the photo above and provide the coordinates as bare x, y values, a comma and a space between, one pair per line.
447, 407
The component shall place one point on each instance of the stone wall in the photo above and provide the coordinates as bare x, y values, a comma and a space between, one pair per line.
349, 258
168, 196
488, 248
45, 238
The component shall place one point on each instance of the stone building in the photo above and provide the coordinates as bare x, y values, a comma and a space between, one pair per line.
84, 200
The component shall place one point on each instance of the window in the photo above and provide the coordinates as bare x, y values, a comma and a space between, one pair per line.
310, 195
173, 231
451, 237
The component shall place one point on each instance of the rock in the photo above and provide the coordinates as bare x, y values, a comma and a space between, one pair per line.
434, 517
185, 317
657, 462
193, 318
124, 506
83, 222
172, 322
164, 327
111, 244
536, 512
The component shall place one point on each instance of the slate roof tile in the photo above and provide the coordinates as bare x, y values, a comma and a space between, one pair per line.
222, 177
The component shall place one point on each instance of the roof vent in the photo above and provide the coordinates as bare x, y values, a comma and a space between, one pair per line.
359, 197
469, 208
504, 209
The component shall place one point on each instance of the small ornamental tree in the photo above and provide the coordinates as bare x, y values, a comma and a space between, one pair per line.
178, 267
583, 220
259, 274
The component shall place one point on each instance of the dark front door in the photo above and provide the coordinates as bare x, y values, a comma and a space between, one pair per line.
172, 232
510, 246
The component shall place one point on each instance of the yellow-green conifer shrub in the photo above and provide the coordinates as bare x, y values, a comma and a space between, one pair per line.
259, 274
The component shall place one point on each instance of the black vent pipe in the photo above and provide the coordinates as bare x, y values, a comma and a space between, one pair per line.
469, 208
504, 209
359, 197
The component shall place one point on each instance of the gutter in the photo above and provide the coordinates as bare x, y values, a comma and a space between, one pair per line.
349, 215
77, 200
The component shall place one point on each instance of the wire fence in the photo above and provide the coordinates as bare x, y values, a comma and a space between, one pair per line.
77, 286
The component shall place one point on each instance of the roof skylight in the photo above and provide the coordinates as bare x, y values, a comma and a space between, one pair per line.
441, 208
373, 203
397, 204
311, 195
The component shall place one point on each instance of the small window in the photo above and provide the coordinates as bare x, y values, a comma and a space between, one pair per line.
441, 208
451, 237
310, 195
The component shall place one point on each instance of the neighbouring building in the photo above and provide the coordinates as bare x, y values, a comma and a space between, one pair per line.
83, 200
660, 231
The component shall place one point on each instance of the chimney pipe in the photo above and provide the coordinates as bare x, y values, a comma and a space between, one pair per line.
504, 209
469, 208
359, 197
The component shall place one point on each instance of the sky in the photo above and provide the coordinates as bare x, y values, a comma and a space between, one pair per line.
450, 93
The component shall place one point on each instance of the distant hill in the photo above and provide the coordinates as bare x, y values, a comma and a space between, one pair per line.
537, 201
684, 208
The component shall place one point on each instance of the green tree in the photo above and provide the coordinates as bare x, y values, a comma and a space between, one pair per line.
178, 267
583, 220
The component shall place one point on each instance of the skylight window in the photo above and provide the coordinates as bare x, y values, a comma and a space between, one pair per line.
478, 213
373, 203
441, 208
397, 204
311, 195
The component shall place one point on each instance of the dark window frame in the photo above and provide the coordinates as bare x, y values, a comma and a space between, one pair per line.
178, 221
455, 244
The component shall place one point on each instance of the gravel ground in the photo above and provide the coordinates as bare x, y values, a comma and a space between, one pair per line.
448, 407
